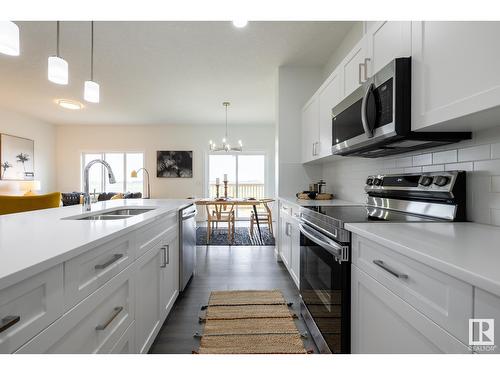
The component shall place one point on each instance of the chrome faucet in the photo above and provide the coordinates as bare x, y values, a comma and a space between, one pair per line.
86, 194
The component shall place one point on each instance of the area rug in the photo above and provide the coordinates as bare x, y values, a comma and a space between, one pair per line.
242, 237
249, 322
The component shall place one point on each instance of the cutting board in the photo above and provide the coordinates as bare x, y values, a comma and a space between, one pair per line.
310, 196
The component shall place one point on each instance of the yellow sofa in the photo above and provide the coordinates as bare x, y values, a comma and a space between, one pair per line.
11, 204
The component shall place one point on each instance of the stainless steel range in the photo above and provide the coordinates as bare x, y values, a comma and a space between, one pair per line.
325, 251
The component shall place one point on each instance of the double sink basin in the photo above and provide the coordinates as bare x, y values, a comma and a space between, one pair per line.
120, 213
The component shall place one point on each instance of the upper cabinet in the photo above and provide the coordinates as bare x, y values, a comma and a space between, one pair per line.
329, 96
386, 40
455, 73
353, 68
310, 130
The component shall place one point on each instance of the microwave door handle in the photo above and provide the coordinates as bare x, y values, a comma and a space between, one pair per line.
323, 241
364, 119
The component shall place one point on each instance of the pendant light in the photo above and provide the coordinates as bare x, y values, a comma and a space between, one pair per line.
91, 88
58, 67
9, 38
226, 145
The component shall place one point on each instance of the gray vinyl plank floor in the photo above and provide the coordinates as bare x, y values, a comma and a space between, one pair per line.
223, 268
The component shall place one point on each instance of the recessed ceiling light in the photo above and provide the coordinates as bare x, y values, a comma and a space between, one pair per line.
69, 104
240, 23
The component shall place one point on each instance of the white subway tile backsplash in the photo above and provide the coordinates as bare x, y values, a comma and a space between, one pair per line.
491, 167
404, 162
413, 170
481, 152
495, 184
442, 157
389, 163
433, 168
495, 216
459, 167
424, 159
495, 151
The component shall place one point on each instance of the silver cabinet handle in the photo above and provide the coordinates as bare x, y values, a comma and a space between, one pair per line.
314, 149
116, 311
168, 254
360, 66
393, 272
164, 262
367, 60
109, 262
8, 322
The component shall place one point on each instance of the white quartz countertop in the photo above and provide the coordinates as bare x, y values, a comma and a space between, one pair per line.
31, 242
467, 251
319, 202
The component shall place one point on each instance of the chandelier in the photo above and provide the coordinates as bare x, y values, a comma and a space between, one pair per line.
226, 145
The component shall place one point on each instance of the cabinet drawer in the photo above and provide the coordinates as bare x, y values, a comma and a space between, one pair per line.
149, 236
28, 307
126, 343
444, 299
86, 273
382, 323
93, 326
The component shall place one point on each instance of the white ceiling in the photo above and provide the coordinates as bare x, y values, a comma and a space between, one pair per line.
163, 72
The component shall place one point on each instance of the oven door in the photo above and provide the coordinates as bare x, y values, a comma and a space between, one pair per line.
325, 290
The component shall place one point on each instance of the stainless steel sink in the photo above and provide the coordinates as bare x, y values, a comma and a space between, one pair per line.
105, 217
128, 211
120, 213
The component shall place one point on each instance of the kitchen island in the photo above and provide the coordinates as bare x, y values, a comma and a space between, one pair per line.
73, 285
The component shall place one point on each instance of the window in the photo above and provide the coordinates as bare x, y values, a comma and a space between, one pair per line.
245, 173
122, 163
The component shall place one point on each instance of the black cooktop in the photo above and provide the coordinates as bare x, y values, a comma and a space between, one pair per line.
362, 214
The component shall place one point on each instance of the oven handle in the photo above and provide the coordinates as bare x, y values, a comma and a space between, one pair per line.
338, 251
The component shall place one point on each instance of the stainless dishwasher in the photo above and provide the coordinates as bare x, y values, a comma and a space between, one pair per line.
187, 245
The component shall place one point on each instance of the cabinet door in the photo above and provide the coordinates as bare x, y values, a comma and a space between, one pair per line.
285, 239
352, 68
148, 293
381, 322
295, 252
310, 130
387, 40
329, 97
487, 306
454, 69
169, 275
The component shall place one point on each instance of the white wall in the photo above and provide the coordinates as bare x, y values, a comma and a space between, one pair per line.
480, 157
44, 135
73, 140
294, 86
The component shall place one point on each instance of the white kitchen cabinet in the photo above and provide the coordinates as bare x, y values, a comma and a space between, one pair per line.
295, 251
290, 240
381, 322
487, 306
149, 311
329, 96
310, 130
353, 68
385, 41
126, 343
169, 272
454, 74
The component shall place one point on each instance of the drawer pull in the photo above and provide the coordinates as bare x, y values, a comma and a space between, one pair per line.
166, 256
109, 262
382, 265
116, 311
8, 322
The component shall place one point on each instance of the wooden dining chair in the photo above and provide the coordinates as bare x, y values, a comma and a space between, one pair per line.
221, 213
265, 216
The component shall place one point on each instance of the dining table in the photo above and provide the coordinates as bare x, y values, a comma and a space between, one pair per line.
254, 202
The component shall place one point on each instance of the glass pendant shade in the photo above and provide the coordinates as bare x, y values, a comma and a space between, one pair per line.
9, 38
91, 92
58, 70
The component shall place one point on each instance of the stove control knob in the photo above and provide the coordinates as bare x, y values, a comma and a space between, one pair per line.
426, 181
441, 180
369, 181
377, 182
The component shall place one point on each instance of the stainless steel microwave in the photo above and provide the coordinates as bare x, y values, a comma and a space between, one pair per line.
375, 120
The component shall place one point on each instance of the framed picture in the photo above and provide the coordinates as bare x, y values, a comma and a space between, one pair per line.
174, 164
16, 158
